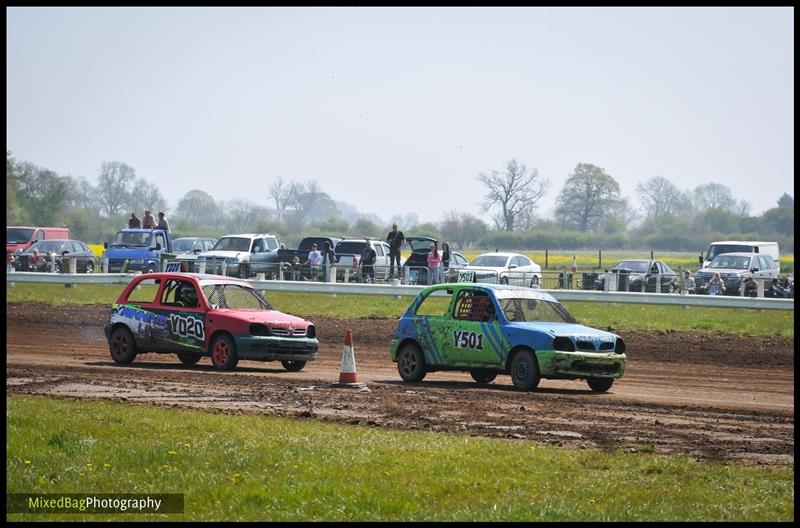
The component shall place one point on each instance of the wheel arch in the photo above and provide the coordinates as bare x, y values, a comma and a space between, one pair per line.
216, 334
516, 349
412, 341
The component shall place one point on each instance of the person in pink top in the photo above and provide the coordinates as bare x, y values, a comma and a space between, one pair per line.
434, 265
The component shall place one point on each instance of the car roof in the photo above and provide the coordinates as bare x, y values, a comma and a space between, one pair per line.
501, 254
528, 292
249, 235
203, 277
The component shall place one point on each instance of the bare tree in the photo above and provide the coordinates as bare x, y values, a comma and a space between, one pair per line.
114, 187
588, 196
718, 196
146, 196
513, 193
660, 197
279, 193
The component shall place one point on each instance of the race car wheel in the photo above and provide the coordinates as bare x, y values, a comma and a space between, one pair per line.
600, 384
122, 346
483, 376
189, 358
525, 371
223, 353
89, 267
411, 363
292, 365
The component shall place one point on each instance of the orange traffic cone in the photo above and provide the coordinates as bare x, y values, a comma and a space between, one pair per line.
347, 372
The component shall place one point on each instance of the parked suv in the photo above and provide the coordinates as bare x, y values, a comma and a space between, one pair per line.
735, 268
243, 255
348, 255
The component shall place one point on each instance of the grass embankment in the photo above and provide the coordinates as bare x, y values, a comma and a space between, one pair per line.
602, 315
265, 468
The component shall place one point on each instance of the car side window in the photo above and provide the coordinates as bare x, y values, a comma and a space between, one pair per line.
474, 306
144, 292
379, 250
258, 246
524, 261
175, 294
39, 236
434, 305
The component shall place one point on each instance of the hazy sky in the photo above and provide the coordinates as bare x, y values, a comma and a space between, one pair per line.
398, 109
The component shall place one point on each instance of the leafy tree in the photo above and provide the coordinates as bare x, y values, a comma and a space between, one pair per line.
367, 227
513, 194
114, 187
197, 206
332, 226
461, 229
588, 196
786, 201
15, 212
42, 193
426, 229
780, 220
718, 196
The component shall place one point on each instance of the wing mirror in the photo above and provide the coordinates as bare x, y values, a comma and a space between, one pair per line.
512, 266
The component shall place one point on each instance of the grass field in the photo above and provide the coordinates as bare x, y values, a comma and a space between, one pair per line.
265, 468
619, 316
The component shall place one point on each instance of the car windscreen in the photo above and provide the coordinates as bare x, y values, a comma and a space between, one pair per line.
633, 265
526, 310
15, 235
232, 244
718, 249
350, 248
182, 245
491, 261
730, 262
235, 297
132, 239
47, 246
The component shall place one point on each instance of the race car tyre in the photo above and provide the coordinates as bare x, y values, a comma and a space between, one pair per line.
89, 267
525, 371
122, 346
189, 358
293, 365
600, 384
411, 363
223, 353
483, 376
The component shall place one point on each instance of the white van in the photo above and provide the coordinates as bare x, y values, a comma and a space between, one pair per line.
739, 246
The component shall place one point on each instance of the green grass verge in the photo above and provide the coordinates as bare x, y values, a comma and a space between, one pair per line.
619, 316
264, 468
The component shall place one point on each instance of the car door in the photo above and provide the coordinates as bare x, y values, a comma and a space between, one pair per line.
185, 321
470, 330
258, 256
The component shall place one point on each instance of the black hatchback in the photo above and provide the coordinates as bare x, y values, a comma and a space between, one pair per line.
39, 256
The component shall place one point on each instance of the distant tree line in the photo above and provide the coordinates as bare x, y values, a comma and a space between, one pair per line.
590, 211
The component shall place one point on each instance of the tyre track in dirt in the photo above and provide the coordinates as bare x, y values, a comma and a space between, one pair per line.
708, 396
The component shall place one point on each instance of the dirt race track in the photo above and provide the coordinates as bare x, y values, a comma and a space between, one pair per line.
710, 397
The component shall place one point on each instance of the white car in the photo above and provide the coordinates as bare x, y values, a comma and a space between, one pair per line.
506, 268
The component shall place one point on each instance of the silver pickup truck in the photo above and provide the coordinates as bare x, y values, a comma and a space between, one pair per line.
241, 255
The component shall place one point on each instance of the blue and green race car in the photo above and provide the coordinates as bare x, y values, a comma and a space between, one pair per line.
489, 329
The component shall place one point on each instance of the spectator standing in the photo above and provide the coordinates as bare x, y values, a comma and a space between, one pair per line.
134, 221
716, 286
395, 240
367, 263
149, 221
162, 222
445, 256
313, 260
434, 265
687, 282
295, 268
328, 259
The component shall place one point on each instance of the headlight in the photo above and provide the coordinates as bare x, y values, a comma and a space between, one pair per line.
620, 348
563, 343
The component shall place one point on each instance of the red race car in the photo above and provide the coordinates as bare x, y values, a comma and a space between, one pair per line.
194, 315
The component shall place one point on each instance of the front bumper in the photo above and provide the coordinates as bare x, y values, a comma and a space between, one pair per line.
276, 348
559, 364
